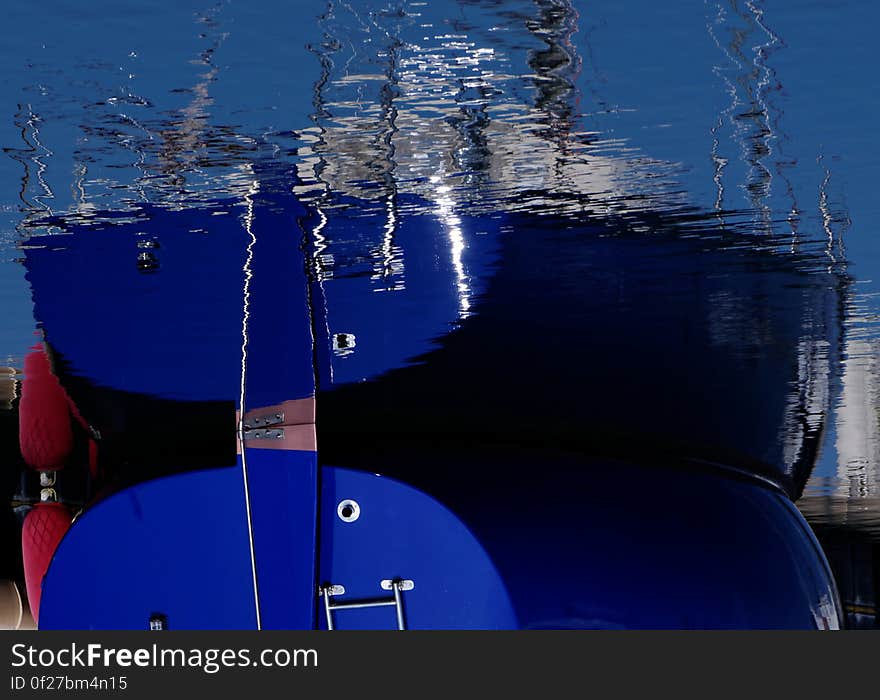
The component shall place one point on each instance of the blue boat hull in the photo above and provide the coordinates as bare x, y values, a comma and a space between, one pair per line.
552, 526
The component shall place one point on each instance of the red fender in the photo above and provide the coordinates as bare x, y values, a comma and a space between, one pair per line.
45, 434
43, 528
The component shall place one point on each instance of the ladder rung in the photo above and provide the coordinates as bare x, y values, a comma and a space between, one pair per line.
328, 591
364, 604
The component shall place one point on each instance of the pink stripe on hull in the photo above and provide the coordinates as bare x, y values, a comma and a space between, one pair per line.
295, 418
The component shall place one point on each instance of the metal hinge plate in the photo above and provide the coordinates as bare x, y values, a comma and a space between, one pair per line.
264, 420
264, 434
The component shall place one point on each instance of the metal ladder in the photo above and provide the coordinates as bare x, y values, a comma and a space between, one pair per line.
397, 586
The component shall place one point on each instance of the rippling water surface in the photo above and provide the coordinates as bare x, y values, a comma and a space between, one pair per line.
626, 226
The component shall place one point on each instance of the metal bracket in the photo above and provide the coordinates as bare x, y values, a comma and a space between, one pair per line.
331, 590
48, 495
261, 434
328, 591
264, 420
405, 584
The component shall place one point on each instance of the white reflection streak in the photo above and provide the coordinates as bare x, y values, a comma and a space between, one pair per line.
78, 189
827, 219
32, 122
388, 235
248, 274
391, 265
858, 438
320, 245
720, 162
807, 404
320, 273
446, 213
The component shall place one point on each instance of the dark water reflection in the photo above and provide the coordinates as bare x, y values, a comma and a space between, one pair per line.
520, 229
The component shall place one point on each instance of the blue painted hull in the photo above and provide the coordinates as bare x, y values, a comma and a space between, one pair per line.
714, 552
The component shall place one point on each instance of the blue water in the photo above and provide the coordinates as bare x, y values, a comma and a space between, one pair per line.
576, 222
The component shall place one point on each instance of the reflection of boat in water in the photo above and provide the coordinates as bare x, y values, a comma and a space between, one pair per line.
609, 438
482, 425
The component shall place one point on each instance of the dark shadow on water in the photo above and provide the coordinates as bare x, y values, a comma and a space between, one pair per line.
605, 341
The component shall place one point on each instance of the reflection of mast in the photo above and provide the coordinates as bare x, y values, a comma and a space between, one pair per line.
358, 164
751, 114
757, 145
754, 122
834, 245
32, 154
320, 265
389, 267
753, 126
718, 161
